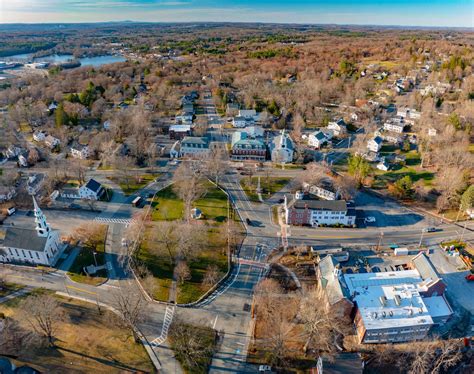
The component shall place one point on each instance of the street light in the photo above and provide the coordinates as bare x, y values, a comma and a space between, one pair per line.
421, 238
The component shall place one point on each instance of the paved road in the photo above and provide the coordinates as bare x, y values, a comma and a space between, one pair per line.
228, 310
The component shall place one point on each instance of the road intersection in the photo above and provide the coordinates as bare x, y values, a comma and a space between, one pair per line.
228, 308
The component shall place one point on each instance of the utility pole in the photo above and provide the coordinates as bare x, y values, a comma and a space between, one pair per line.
421, 238
380, 241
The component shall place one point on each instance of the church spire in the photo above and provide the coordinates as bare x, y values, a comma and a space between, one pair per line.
42, 227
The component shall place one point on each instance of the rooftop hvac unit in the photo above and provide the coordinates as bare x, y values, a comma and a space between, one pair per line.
398, 300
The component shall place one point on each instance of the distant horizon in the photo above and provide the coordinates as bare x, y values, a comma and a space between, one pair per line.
406, 27
388, 13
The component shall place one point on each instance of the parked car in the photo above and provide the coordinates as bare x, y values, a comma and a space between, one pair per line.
281, 201
264, 369
11, 210
470, 277
249, 222
124, 242
430, 229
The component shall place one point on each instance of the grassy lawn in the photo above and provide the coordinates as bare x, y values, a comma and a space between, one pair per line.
25, 128
135, 183
269, 186
213, 204
159, 264
72, 183
192, 289
87, 342
168, 206
207, 343
289, 167
411, 168
157, 261
86, 258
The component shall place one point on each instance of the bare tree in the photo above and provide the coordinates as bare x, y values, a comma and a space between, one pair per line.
212, 276
315, 173
14, 338
182, 272
44, 314
91, 236
191, 347
131, 308
166, 236
189, 186
216, 164
320, 328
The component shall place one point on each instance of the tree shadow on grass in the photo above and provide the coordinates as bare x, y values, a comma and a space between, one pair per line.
103, 361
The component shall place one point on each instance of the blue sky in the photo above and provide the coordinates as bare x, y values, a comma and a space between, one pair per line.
375, 12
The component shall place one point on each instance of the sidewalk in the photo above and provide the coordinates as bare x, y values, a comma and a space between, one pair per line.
18, 293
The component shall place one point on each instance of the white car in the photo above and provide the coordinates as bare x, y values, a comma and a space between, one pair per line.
124, 242
370, 219
265, 369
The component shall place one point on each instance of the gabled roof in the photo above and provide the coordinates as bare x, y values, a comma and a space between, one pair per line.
329, 281
93, 185
319, 135
424, 266
330, 205
21, 238
377, 140
194, 140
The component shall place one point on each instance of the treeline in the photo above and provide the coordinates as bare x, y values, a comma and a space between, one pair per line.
271, 53
16, 48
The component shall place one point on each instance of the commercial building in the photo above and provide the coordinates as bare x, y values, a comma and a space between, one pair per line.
394, 306
319, 212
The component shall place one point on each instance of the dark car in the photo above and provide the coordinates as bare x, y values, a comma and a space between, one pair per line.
150, 195
249, 222
281, 201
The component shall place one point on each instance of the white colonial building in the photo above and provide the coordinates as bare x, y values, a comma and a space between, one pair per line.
282, 148
318, 138
375, 144
92, 190
338, 127
80, 151
41, 246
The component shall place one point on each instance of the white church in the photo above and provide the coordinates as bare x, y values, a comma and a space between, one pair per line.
41, 246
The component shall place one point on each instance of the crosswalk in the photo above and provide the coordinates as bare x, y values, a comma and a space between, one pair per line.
166, 326
123, 221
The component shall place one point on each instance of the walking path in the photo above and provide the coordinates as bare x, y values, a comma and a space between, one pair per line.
18, 293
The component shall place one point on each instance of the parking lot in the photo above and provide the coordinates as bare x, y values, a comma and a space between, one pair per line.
389, 214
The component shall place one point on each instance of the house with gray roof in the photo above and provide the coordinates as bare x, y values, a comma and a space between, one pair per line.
282, 148
40, 246
192, 146
329, 276
246, 148
92, 190
431, 279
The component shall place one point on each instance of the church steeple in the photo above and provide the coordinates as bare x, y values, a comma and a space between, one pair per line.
42, 227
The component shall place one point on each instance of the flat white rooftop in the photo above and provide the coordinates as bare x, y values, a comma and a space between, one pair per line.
389, 299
